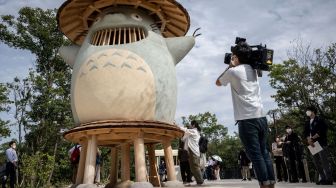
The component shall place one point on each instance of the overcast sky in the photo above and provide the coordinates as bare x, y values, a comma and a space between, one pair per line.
276, 23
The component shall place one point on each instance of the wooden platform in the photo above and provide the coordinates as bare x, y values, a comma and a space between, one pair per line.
112, 133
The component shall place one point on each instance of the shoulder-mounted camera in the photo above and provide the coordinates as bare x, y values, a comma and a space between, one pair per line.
259, 57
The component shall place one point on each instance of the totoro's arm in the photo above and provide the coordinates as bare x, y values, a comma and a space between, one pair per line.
69, 54
180, 46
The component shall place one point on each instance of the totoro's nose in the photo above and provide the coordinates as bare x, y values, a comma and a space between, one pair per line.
115, 17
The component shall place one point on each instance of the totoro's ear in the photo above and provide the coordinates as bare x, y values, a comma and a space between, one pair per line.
180, 46
69, 54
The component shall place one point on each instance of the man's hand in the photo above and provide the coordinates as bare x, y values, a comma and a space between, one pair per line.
231, 65
218, 82
310, 142
316, 136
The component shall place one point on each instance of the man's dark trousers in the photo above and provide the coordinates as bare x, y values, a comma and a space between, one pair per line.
10, 171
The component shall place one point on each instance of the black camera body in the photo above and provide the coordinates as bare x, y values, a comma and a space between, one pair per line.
260, 58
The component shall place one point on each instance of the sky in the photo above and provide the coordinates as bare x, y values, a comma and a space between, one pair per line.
277, 23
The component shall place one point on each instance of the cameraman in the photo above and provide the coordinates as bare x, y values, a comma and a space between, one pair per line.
248, 111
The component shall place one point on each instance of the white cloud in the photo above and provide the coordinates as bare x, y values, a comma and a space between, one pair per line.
272, 22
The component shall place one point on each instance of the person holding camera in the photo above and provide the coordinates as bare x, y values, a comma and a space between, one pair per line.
248, 111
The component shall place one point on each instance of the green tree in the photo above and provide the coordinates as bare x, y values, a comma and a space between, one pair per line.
36, 30
21, 95
209, 125
4, 102
36, 169
307, 78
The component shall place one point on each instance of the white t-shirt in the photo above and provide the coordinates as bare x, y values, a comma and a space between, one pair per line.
245, 91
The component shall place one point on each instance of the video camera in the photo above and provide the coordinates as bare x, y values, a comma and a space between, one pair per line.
260, 58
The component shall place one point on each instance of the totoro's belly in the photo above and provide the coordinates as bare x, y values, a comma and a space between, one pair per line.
114, 84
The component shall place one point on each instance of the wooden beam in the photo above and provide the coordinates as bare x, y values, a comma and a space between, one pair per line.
178, 18
90, 161
114, 167
154, 177
139, 157
137, 4
169, 159
71, 27
125, 162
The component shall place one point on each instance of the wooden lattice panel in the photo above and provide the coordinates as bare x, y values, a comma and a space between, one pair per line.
74, 16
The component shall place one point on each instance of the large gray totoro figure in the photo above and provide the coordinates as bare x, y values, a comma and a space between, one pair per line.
124, 68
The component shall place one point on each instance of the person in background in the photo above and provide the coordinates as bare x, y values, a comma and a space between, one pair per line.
316, 131
162, 171
11, 165
191, 139
203, 147
183, 158
279, 160
216, 168
294, 154
74, 155
210, 174
244, 163
98, 162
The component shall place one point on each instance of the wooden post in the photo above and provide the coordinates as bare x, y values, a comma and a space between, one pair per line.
153, 173
81, 165
139, 156
114, 165
305, 165
169, 159
125, 162
90, 162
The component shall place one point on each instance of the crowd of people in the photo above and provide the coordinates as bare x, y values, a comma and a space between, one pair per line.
288, 151
288, 155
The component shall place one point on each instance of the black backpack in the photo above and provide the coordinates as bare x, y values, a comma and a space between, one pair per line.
203, 144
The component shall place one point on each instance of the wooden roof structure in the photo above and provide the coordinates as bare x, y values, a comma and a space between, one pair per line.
75, 17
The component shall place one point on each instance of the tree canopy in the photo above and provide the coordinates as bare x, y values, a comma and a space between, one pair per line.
306, 78
42, 100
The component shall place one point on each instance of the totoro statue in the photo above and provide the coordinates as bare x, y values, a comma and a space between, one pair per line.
124, 68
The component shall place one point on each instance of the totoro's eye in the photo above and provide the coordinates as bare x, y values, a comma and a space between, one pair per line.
136, 17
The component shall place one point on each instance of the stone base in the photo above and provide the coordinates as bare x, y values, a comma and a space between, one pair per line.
124, 184
84, 186
141, 185
173, 184
109, 185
